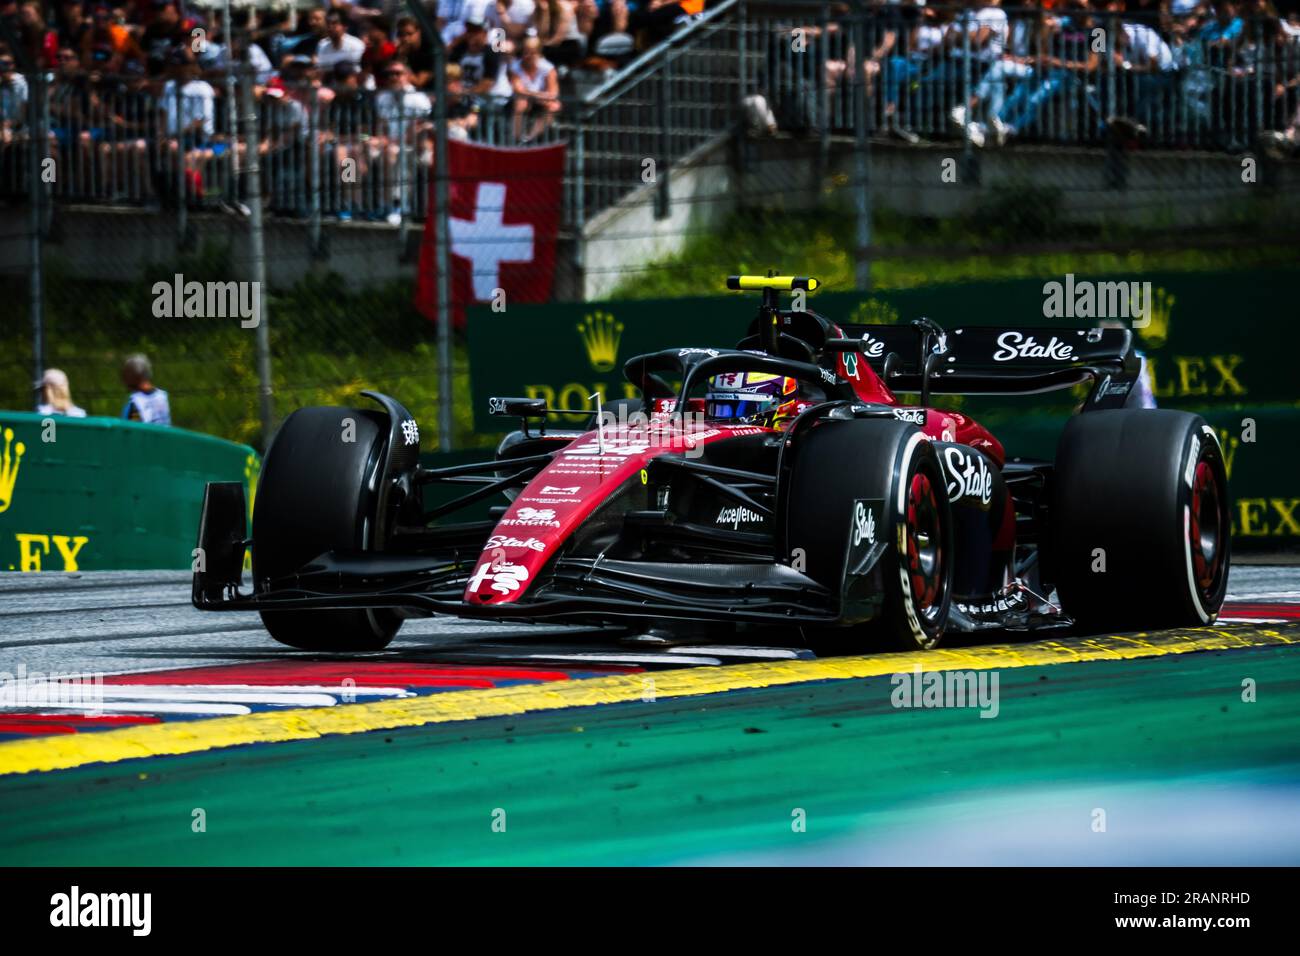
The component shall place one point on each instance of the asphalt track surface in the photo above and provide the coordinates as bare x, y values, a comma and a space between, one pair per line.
480, 744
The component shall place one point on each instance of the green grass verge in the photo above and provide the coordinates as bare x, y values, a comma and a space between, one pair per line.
821, 243
327, 344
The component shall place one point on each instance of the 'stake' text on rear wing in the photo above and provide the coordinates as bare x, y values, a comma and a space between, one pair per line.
1001, 360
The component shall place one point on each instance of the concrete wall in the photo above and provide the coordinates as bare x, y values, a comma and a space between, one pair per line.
1167, 190
110, 243
1172, 190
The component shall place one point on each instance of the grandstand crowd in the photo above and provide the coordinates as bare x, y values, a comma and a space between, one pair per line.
142, 105
135, 79
1207, 73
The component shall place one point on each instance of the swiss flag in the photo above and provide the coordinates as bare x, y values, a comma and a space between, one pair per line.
505, 213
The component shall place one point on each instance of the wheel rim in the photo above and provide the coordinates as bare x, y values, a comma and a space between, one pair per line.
1205, 529
925, 557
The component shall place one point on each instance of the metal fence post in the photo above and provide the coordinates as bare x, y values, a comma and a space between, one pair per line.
662, 198
742, 87
968, 151
442, 220
578, 203
313, 131
182, 198
824, 112
36, 222
862, 112
257, 250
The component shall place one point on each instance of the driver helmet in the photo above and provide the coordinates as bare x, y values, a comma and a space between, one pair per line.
750, 397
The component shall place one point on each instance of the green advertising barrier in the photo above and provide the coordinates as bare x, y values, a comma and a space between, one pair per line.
1221, 344
96, 494
1210, 338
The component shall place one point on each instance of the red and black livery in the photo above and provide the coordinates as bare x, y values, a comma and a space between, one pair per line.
853, 516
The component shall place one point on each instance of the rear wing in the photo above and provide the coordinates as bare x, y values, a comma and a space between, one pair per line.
997, 360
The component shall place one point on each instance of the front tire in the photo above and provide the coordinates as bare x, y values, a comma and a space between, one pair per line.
841, 463
1140, 520
318, 492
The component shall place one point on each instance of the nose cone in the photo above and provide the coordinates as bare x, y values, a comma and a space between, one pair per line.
554, 505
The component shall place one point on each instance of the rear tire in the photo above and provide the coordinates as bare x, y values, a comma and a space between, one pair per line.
841, 463
1140, 521
318, 493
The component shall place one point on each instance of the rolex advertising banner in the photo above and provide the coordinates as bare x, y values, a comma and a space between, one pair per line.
100, 494
1210, 339
1223, 344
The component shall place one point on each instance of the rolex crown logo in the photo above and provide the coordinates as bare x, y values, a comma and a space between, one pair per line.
601, 333
10, 458
1161, 309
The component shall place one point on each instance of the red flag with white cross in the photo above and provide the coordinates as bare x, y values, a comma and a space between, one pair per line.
505, 215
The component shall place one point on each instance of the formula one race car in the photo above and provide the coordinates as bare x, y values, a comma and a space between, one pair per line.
781, 482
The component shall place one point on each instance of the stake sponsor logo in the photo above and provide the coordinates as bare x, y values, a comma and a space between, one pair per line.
968, 476
1016, 345
506, 541
872, 346
864, 524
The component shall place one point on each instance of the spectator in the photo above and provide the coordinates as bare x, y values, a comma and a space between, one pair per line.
129, 119
74, 105
217, 54
73, 25
338, 45
563, 41
56, 396
462, 117
1148, 64
451, 19
461, 12
1221, 36
349, 118
480, 65
189, 109
164, 35
403, 113
537, 91
1067, 58
146, 402
379, 48
105, 44
895, 25
984, 35
42, 43
13, 99
515, 17
414, 52
654, 20
314, 32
